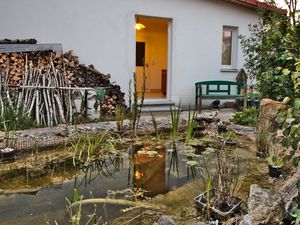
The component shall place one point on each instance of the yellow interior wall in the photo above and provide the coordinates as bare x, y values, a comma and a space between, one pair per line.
156, 37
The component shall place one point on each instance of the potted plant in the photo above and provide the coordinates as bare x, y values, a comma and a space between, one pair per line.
220, 197
276, 162
217, 204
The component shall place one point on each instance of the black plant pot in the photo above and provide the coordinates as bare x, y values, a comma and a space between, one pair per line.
7, 154
275, 171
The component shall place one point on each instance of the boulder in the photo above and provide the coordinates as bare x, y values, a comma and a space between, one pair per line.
265, 207
267, 123
268, 109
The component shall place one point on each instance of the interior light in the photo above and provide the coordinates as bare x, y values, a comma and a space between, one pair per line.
139, 25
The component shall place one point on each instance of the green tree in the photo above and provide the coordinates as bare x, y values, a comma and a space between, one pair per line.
273, 45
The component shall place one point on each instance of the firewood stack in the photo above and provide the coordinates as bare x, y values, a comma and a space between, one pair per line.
77, 75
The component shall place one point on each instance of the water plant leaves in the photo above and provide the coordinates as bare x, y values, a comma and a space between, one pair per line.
75, 195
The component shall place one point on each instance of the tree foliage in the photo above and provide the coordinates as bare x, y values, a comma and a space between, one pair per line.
289, 115
269, 53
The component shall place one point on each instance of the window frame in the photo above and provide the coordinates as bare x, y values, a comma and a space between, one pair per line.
234, 49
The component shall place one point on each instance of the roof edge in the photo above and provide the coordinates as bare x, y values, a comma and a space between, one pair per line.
254, 4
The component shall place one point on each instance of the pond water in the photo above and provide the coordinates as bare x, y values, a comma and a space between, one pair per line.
35, 196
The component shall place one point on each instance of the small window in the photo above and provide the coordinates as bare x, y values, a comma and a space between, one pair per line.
229, 48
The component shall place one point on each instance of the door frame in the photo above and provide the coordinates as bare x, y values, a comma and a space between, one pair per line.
169, 55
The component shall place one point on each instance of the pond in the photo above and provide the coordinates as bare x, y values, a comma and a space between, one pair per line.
30, 195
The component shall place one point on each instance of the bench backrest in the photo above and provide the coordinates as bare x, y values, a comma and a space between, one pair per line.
221, 87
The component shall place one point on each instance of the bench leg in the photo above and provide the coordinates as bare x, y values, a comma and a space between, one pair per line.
196, 103
200, 104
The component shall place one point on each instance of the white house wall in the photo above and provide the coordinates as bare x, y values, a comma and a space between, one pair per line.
102, 32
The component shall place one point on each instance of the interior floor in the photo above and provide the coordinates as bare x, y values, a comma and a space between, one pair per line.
153, 95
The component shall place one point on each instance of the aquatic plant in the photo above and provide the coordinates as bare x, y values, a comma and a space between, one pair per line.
135, 107
191, 166
75, 214
222, 185
103, 167
90, 146
175, 117
154, 123
75, 217
207, 178
142, 94
119, 118
228, 171
174, 162
191, 125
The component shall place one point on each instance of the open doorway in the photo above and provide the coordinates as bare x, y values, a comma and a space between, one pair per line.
152, 56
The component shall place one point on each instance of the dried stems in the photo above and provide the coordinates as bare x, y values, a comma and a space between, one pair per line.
44, 94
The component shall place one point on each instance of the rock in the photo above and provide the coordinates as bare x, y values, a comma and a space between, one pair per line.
165, 220
232, 221
208, 117
268, 113
265, 207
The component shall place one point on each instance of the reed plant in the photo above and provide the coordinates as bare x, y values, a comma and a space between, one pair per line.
174, 161
155, 126
135, 108
191, 125
175, 118
119, 118
207, 178
228, 172
90, 146
76, 214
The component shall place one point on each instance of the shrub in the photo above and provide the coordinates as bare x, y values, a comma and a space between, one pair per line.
246, 117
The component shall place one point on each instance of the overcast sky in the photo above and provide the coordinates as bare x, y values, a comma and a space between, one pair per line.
281, 4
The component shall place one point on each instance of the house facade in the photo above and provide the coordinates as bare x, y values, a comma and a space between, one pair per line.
182, 41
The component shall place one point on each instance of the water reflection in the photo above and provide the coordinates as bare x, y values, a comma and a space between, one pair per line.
151, 167
105, 167
147, 168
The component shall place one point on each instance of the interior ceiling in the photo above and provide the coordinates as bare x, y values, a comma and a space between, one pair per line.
154, 24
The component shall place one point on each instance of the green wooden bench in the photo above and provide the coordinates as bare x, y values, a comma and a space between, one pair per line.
218, 89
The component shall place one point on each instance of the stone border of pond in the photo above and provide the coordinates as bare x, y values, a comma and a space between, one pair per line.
48, 137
